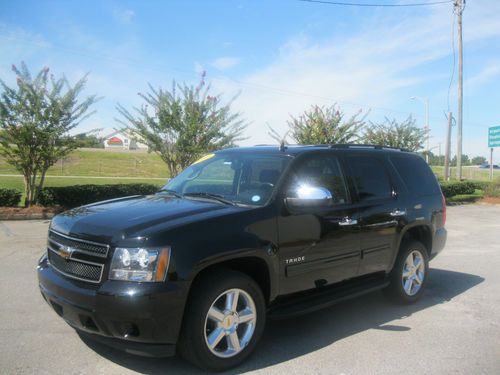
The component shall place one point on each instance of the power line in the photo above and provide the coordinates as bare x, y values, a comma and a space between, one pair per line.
386, 5
161, 68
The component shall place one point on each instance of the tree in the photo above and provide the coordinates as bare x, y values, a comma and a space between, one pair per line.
433, 158
35, 119
182, 124
478, 160
465, 160
325, 125
89, 139
392, 133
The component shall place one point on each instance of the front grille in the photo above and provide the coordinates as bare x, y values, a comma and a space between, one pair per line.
76, 269
75, 258
81, 246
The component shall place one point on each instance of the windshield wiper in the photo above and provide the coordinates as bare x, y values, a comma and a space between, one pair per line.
171, 192
215, 197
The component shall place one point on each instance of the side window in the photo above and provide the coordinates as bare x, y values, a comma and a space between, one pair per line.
322, 171
370, 177
416, 174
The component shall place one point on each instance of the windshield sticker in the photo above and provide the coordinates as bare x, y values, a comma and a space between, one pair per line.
256, 198
203, 158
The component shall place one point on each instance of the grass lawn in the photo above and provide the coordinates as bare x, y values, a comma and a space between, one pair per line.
100, 162
478, 194
140, 164
469, 173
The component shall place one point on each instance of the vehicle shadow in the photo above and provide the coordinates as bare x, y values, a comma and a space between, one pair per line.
287, 339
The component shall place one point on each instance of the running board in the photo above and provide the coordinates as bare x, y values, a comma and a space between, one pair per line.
324, 297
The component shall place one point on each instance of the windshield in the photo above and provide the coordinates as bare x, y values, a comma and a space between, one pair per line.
240, 178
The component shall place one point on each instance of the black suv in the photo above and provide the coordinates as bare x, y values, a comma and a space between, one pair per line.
240, 236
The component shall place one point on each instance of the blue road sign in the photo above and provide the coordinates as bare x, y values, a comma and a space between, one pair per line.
494, 136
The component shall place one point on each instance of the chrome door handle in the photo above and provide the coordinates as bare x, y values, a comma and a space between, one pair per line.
346, 221
398, 212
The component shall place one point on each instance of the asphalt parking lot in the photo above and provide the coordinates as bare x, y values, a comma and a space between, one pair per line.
453, 329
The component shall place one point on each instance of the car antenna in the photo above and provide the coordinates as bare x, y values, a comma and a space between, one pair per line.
275, 135
283, 146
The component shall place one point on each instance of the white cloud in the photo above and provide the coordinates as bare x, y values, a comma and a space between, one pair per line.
368, 69
198, 67
16, 45
224, 63
485, 75
123, 15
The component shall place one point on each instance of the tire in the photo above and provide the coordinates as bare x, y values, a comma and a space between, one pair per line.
211, 293
407, 282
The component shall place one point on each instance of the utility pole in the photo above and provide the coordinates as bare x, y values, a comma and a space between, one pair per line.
458, 9
447, 149
427, 128
491, 164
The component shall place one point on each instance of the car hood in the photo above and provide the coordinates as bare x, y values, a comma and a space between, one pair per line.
117, 220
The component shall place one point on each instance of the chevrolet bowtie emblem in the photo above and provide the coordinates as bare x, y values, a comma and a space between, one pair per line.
65, 251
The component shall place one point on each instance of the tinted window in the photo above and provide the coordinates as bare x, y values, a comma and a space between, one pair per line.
370, 178
416, 175
321, 171
242, 178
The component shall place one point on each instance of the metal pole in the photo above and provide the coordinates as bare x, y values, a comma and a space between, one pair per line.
447, 150
491, 164
427, 128
458, 11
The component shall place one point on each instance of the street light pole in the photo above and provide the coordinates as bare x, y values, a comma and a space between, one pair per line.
427, 127
459, 6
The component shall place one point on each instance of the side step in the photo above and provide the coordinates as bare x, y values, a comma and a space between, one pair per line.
324, 297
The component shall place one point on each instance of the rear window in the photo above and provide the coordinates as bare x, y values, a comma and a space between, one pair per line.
416, 174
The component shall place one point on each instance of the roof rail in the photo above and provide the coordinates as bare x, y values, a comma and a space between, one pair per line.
361, 145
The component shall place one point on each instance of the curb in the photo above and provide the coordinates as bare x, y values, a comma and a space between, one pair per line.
34, 216
488, 204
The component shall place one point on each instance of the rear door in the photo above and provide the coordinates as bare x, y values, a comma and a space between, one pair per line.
319, 246
380, 212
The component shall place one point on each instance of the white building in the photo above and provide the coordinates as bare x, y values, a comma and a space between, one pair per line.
122, 140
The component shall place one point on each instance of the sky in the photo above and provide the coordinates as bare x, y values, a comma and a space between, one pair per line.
280, 57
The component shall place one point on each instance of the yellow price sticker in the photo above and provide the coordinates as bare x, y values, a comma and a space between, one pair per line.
203, 158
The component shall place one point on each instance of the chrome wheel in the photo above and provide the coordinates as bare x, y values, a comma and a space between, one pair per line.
413, 273
230, 323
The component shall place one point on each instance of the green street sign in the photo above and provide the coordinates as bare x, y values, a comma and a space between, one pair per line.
494, 136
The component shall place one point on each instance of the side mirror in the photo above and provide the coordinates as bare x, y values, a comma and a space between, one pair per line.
309, 197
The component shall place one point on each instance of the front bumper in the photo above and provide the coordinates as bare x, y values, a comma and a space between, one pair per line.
140, 318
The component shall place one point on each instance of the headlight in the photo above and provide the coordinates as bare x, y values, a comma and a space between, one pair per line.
139, 264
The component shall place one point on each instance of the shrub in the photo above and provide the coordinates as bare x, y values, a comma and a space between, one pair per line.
9, 197
480, 185
79, 195
492, 189
451, 189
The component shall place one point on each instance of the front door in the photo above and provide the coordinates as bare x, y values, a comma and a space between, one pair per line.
318, 246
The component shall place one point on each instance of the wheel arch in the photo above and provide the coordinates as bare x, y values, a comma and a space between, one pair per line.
253, 266
419, 232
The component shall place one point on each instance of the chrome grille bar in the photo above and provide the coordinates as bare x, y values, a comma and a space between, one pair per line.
79, 245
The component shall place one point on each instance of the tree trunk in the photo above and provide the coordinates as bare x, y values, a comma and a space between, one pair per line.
32, 189
40, 185
27, 185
